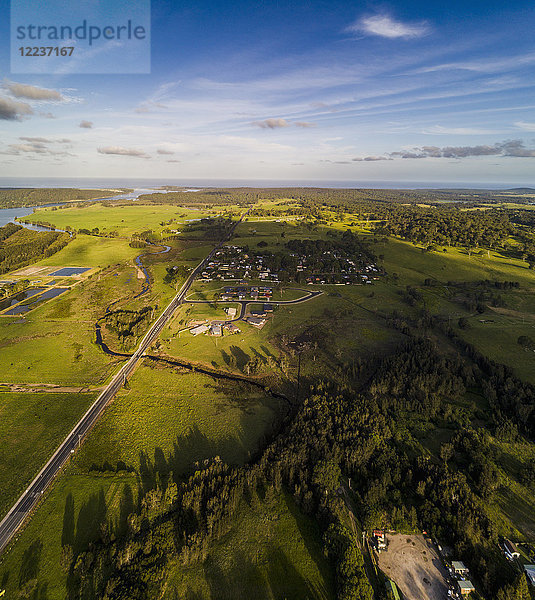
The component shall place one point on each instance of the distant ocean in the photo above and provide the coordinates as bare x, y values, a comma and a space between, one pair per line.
81, 182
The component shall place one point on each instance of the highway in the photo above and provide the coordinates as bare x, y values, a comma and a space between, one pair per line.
24, 505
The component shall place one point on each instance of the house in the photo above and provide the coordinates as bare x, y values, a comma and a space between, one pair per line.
258, 313
459, 567
511, 551
530, 572
256, 322
231, 312
268, 308
231, 328
215, 329
465, 587
199, 329
392, 590
379, 538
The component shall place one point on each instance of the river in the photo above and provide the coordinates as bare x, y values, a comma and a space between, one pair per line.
8, 215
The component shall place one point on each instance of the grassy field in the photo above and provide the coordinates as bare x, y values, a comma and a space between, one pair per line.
123, 219
32, 425
272, 552
90, 251
34, 560
183, 416
168, 418
55, 343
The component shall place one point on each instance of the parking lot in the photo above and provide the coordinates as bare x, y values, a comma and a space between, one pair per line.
415, 567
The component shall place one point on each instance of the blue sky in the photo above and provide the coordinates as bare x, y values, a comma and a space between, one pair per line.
420, 91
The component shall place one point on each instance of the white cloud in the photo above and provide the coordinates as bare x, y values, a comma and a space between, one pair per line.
121, 151
11, 110
31, 92
525, 125
385, 26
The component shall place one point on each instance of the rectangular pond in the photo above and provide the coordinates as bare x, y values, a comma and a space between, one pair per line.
69, 271
20, 296
35, 302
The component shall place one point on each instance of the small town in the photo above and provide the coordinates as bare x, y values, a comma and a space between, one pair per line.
329, 266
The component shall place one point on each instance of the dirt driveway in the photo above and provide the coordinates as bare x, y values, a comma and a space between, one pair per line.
415, 567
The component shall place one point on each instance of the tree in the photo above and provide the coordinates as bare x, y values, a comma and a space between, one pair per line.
327, 475
463, 323
526, 342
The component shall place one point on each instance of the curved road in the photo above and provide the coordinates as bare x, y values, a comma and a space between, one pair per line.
22, 508
244, 303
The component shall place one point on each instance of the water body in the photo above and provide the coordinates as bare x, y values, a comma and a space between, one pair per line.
146, 285
19, 297
69, 271
197, 182
24, 308
8, 215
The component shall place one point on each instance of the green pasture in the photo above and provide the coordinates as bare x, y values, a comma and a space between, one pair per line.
186, 416
123, 219
272, 552
32, 426
33, 561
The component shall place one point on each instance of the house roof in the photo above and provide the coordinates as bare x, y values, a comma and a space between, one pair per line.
510, 547
458, 565
466, 585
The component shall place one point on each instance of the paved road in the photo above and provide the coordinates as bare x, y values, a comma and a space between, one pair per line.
309, 294
21, 509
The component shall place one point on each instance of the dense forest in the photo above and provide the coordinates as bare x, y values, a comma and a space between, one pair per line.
19, 246
322, 196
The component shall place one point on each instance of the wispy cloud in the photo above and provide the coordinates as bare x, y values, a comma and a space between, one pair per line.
42, 140
278, 123
11, 110
384, 25
524, 125
86, 124
272, 123
164, 151
370, 158
121, 151
38, 145
31, 92
440, 130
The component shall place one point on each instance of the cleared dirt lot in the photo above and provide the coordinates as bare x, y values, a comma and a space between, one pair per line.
415, 567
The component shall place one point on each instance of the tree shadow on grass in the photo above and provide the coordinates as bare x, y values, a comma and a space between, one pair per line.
310, 534
5, 579
126, 507
226, 357
267, 352
29, 566
242, 579
285, 581
240, 357
91, 517
259, 355
67, 535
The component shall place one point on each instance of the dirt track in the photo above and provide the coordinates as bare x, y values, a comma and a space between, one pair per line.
415, 567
